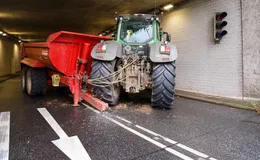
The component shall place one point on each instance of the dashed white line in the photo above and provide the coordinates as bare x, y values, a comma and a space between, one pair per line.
169, 140
147, 130
192, 150
123, 119
176, 143
176, 153
156, 135
4, 135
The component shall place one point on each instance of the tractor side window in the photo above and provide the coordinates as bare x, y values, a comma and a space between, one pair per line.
158, 30
136, 32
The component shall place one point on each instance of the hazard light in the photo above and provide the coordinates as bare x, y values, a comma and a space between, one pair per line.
165, 50
102, 48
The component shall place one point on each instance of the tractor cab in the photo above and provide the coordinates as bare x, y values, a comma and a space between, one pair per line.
137, 29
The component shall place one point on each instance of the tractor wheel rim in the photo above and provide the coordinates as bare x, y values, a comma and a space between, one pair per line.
29, 82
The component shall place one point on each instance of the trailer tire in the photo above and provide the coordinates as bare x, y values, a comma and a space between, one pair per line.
163, 85
36, 81
23, 79
108, 93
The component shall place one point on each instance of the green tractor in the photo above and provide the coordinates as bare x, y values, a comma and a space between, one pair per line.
137, 59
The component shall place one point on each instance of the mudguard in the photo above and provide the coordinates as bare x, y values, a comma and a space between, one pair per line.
114, 49
156, 56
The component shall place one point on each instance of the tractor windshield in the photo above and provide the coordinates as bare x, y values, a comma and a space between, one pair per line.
133, 31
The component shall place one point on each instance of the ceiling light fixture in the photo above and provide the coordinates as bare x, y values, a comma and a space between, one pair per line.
1, 32
19, 41
168, 6
4, 34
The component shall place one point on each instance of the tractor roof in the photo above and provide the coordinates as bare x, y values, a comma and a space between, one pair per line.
136, 17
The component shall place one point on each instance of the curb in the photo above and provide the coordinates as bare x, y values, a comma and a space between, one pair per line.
218, 102
13, 76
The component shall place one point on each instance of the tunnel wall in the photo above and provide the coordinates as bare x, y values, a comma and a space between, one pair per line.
8, 50
251, 47
202, 65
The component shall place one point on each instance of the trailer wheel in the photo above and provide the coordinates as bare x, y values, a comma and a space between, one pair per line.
109, 93
36, 82
23, 79
163, 85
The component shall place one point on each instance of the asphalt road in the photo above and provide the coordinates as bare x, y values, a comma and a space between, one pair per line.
132, 130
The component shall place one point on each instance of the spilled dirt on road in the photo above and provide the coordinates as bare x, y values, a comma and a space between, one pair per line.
140, 102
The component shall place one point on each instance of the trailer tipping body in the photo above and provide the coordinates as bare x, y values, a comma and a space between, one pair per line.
65, 57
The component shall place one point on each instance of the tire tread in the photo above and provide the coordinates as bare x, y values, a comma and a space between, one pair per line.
163, 88
104, 92
39, 81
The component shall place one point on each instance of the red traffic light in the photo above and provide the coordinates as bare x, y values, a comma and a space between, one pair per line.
220, 15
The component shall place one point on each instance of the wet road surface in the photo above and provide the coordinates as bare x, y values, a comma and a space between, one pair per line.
132, 130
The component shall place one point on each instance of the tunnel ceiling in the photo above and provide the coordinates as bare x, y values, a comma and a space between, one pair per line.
34, 20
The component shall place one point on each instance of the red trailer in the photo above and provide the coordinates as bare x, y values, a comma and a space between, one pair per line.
63, 60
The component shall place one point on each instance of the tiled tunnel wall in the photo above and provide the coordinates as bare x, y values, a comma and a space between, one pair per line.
9, 57
202, 65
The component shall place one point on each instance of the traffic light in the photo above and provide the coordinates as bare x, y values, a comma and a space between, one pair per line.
219, 24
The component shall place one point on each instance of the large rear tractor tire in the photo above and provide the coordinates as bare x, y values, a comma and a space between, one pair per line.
108, 93
163, 85
36, 81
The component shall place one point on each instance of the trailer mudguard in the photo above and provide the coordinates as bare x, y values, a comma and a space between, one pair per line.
157, 57
113, 50
33, 63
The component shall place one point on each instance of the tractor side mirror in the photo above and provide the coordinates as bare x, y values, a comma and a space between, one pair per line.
167, 38
113, 35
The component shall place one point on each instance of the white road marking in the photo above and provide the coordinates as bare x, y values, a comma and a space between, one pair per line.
156, 135
174, 142
192, 150
94, 110
176, 153
4, 135
156, 138
123, 119
169, 140
54, 125
147, 130
71, 146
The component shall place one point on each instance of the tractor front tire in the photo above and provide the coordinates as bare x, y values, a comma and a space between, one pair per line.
163, 85
36, 81
108, 93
